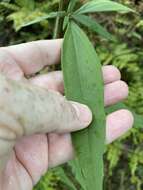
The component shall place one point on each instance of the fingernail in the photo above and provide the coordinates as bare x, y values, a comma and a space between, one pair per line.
83, 112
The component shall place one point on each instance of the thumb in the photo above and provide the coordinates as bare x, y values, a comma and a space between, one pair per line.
36, 110
27, 109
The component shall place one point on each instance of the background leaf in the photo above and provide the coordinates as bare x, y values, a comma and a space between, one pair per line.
93, 26
65, 179
27, 19
29, 4
102, 6
41, 18
72, 5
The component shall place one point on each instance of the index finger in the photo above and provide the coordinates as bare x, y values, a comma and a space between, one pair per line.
33, 56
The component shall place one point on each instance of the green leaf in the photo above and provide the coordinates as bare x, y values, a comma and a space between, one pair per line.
140, 24
65, 179
138, 119
25, 18
84, 83
93, 25
66, 21
71, 5
41, 18
76, 171
29, 4
102, 6
9, 6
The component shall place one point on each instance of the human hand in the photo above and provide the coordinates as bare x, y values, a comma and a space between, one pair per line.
45, 141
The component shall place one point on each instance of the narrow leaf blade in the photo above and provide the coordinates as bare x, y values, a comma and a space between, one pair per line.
94, 26
102, 6
72, 5
83, 82
63, 177
41, 18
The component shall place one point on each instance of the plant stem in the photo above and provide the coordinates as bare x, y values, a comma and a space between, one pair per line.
57, 24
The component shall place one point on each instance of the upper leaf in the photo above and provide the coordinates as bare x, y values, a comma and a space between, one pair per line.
102, 6
94, 26
72, 5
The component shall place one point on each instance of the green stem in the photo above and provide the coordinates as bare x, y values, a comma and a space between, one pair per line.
57, 24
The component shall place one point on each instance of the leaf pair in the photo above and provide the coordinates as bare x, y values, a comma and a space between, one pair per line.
96, 6
89, 7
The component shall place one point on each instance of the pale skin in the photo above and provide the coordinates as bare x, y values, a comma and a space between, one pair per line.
29, 146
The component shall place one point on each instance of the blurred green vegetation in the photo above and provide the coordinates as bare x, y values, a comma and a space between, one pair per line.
124, 158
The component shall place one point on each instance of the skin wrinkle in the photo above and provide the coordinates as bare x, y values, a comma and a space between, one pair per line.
20, 61
52, 101
73, 113
6, 139
14, 126
11, 115
11, 61
50, 57
20, 120
6, 144
13, 173
59, 115
62, 116
40, 53
5, 153
23, 166
6, 132
36, 162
